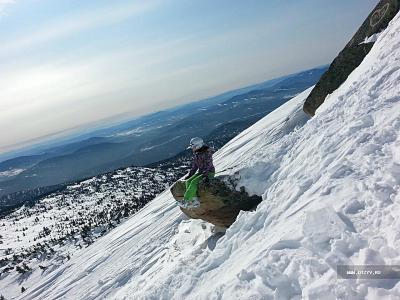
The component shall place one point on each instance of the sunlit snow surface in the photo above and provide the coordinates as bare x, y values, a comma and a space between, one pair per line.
331, 196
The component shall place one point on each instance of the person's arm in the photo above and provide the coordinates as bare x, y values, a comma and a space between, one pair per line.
209, 165
193, 169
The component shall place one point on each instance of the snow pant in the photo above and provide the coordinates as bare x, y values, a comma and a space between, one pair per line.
192, 185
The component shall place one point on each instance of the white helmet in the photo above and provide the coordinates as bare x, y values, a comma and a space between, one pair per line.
196, 143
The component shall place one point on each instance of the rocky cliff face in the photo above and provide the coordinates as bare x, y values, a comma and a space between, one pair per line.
353, 54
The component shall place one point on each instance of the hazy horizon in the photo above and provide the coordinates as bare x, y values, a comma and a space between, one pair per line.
71, 133
72, 66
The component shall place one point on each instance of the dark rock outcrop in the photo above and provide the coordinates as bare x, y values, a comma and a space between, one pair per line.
352, 55
219, 204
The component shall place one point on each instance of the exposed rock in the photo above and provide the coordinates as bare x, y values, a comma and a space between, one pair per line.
219, 204
352, 55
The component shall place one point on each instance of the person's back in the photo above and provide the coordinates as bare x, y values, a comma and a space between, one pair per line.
203, 163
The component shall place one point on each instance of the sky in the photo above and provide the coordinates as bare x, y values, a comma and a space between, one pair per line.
71, 64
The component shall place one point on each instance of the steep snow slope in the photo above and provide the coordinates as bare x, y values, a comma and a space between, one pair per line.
36, 239
331, 196
158, 240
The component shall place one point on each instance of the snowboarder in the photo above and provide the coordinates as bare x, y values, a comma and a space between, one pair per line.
203, 163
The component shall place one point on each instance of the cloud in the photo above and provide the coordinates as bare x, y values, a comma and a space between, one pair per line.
70, 90
72, 24
4, 4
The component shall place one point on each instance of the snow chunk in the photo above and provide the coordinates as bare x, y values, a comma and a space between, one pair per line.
322, 225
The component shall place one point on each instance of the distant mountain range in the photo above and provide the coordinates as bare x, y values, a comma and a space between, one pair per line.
150, 138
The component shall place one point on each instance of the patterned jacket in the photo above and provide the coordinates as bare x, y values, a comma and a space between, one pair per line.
202, 161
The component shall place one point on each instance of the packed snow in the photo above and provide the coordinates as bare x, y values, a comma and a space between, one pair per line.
372, 39
331, 197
